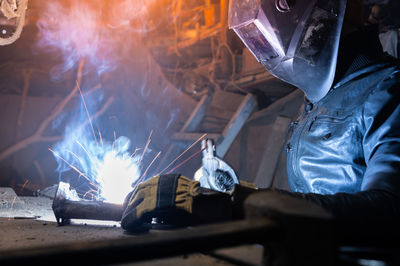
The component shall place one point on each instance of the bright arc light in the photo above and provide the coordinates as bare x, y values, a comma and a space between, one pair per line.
111, 167
115, 175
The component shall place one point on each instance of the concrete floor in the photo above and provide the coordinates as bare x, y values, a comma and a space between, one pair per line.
28, 222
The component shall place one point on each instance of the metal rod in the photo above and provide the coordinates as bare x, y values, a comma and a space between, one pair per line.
150, 246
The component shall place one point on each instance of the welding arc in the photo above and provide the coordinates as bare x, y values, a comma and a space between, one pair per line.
177, 158
185, 161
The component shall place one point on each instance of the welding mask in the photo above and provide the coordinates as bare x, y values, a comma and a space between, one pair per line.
296, 40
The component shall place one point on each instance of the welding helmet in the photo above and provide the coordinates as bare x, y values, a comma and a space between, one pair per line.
296, 40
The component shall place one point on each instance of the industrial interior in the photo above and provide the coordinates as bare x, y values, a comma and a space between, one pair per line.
101, 100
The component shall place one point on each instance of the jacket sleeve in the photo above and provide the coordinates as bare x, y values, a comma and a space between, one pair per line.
372, 214
381, 140
374, 211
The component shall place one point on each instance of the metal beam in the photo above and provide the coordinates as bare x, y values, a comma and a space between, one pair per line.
246, 108
149, 246
272, 151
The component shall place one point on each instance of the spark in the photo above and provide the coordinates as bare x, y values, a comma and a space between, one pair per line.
87, 111
101, 137
70, 165
115, 139
84, 149
91, 192
185, 161
112, 171
148, 167
94, 185
13, 202
23, 186
76, 156
177, 158
135, 152
110, 168
146, 146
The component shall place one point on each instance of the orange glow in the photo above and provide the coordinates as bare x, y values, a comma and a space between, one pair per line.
97, 31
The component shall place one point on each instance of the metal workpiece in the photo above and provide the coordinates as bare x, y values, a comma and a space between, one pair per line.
66, 207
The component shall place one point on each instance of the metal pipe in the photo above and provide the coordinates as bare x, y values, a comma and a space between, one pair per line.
89, 210
66, 209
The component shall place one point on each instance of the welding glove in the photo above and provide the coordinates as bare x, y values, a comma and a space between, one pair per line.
175, 200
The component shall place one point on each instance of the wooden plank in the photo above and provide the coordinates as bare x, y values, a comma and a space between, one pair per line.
272, 152
193, 136
230, 132
294, 99
227, 101
197, 115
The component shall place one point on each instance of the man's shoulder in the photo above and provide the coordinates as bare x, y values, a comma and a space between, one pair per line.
377, 69
376, 82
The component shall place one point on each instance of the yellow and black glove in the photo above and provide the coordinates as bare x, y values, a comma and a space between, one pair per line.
175, 200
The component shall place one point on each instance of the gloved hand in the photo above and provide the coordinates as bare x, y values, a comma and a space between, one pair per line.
176, 200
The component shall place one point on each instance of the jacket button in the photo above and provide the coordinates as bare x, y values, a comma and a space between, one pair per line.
327, 136
309, 106
288, 147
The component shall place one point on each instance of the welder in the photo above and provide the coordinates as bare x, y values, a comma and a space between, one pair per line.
344, 151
